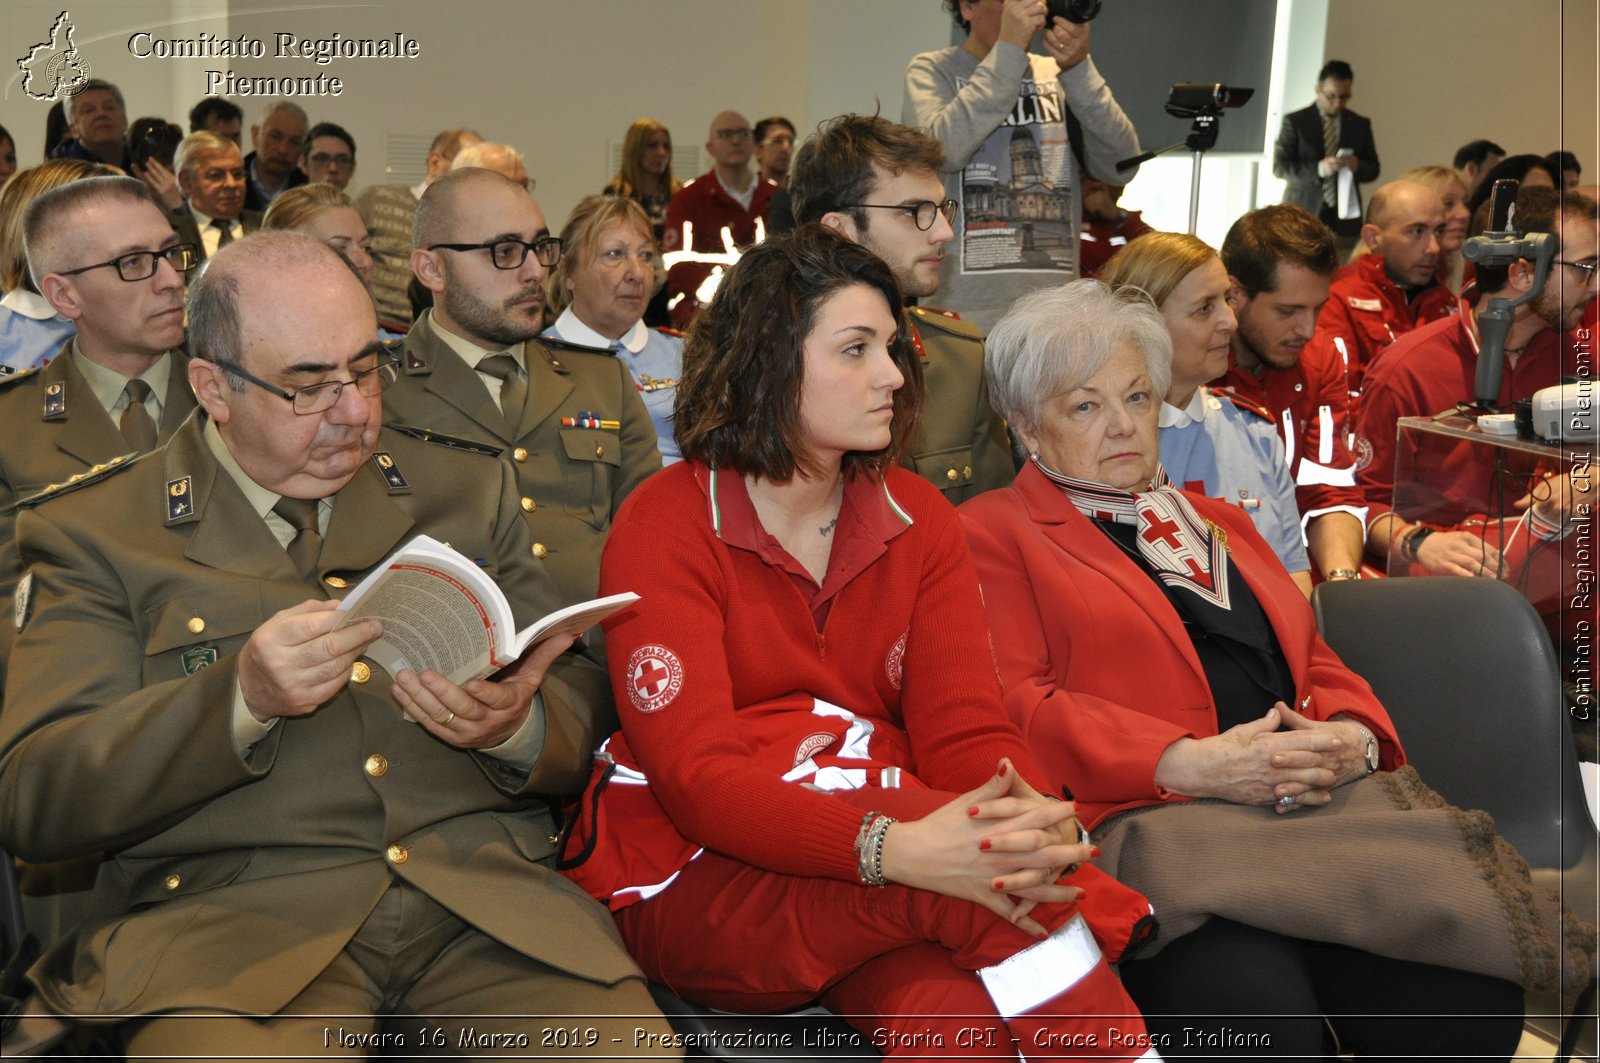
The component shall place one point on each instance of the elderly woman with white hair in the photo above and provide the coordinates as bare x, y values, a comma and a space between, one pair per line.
1154, 651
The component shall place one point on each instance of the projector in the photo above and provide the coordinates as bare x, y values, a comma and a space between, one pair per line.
1568, 412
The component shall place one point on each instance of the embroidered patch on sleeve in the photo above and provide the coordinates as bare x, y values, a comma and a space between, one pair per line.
895, 663
655, 676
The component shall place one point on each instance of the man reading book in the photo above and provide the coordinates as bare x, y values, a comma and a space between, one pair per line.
295, 834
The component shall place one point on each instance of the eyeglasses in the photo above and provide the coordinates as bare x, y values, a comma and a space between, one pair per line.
922, 212
141, 265
324, 159
1588, 268
511, 253
316, 398
733, 134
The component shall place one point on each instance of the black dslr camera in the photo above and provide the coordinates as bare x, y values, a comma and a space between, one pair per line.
153, 138
1071, 10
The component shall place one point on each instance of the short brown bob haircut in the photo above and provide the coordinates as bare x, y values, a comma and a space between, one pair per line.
738, 404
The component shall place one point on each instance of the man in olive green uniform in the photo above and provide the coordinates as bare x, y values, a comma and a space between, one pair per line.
877, 183
304, 847
569, 418
84, 241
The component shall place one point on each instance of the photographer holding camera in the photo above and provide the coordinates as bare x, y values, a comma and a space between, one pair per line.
1001, 115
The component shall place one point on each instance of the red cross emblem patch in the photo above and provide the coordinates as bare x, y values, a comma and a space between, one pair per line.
655, 675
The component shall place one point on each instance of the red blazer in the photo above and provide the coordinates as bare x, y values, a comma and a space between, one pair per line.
1098, 672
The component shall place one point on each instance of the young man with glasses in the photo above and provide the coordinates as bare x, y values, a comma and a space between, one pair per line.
569, 418
329, 156
340, 841
877, 183
101, 251
730, 195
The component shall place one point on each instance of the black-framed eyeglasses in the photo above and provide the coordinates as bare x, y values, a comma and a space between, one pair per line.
922, 212
511, 253
1588, 268
141, 265
734, 134
324, 159
316, 398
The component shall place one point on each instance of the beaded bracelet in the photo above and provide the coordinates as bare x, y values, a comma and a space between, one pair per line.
869, 848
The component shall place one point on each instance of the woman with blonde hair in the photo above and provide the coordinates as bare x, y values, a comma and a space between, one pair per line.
646, 178
31, 332
1452, 188
325, 212
1212, 440
601, 287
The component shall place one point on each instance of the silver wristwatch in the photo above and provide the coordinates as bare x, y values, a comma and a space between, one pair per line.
1372, 749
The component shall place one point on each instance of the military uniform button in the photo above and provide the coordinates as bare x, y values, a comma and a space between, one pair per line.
397, 854
952, 475
555, 839
377, 765
966, 472
196, 625
172, 882
336, 582
529, 505
520, 454
540, 550
600, 451
360, 672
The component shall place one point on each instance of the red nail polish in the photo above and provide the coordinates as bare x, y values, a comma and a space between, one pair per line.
997, 885
1004, 767
984, 845
973, 811
1094, 852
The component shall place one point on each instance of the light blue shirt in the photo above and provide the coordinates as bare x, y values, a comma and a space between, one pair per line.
655, 360
31, 332
1217, 449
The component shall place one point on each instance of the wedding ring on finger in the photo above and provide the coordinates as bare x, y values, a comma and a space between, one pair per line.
448, 720
1286, 802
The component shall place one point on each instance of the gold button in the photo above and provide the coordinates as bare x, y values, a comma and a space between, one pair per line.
377, 765
529, 505
540, 550
359, 672
555, 839
196, 625
173, 882
520, 454
966, 472
336, 582
599, 451
952, 476
397, 854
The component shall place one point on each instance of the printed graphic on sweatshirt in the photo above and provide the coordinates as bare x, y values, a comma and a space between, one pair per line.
1016, 191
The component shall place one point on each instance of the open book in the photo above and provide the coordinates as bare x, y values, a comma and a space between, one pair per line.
440, 611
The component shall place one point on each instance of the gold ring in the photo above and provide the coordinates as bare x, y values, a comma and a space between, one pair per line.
450, 719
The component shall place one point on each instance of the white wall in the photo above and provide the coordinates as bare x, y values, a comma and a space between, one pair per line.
562, 79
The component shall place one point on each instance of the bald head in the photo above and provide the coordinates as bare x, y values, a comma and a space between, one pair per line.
503, 159
1405, 221
730, 140
440, 206
246, 285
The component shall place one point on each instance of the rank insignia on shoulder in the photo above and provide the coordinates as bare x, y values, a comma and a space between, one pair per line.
22, 598
551, 345
947, 321
589, 419
428, 435
665, 331
93, 474
1247, 405
55, 400
198, 657
180, 498
389, 470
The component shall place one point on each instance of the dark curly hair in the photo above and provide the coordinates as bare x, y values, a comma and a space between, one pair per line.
738, 404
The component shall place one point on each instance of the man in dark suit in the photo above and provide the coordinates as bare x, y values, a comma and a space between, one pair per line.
212, 178
570, 418
297, 835
1318, 142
